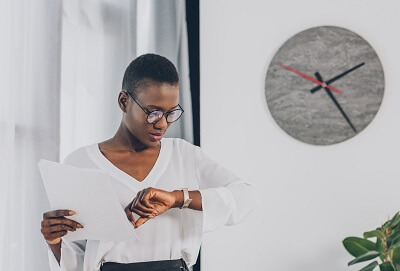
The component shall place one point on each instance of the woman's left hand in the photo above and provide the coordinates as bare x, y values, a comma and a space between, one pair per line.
149, 203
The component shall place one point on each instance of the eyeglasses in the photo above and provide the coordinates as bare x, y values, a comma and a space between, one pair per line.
156, 115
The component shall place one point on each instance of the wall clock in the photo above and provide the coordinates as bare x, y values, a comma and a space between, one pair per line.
324, 85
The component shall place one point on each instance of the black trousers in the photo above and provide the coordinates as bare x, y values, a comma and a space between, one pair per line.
168, 265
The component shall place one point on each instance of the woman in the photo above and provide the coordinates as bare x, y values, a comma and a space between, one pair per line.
176, 191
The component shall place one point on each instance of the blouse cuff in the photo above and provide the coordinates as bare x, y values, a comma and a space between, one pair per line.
217, 204
52, 260
71, 257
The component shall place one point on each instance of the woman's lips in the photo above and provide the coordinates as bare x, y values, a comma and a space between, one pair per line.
156, 136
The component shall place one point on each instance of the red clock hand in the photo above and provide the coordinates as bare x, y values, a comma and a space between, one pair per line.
310, 78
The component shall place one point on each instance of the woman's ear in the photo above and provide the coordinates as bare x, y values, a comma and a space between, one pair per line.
122, 100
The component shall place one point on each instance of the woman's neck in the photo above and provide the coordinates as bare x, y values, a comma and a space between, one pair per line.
124, 140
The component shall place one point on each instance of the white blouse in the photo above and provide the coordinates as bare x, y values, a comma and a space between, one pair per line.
175, 234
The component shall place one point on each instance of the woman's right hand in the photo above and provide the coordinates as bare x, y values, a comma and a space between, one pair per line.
55, 225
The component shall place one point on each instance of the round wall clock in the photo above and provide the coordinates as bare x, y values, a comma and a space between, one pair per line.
324, 85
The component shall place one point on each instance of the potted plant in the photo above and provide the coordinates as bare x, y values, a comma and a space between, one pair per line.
386, 247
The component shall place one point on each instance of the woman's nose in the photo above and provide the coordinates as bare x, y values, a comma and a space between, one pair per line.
162, 123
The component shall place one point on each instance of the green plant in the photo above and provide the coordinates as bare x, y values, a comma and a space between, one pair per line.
386, 247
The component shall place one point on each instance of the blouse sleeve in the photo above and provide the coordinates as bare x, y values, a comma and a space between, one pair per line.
226, 199
72, 255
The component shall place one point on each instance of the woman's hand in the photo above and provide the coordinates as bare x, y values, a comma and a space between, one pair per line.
149, 203
54, 225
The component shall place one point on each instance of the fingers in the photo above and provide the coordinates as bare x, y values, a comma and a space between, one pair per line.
57, 228
138, 205
138, 196
142, 210
54, 225
143, 206
129, 214
145, 198
141, 221
58, 213
65, 221
138, 211
56, 235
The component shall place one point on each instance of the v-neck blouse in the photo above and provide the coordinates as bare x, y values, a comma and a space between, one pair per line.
177, 233
151, 179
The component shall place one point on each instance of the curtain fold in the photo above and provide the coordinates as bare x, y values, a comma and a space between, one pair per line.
29, 125
98, 44
162, 29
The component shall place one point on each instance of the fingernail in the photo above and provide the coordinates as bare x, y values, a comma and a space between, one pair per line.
79, 226
71, 213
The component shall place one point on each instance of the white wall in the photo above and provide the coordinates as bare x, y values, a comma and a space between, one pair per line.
313, 197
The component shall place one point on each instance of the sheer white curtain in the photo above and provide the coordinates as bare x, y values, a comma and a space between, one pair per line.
61, 67
161, 29
100, 39
29, 125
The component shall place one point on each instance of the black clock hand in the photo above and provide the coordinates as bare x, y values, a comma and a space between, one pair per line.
319, 77
337, 77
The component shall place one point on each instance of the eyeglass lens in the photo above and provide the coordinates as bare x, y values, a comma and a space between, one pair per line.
157, 115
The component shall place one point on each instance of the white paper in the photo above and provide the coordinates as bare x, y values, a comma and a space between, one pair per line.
88, 192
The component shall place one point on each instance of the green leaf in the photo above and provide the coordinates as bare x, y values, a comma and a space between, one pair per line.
358, 246
365, 257
386, 224
392, 238
393, 232
395, 242
387, 266
396, 255
395, 220
370, 267
379, 246
395, 223
375, 233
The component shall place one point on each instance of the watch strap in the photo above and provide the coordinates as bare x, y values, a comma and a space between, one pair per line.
186, 199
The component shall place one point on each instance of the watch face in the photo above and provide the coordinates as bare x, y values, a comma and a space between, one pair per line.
324, 85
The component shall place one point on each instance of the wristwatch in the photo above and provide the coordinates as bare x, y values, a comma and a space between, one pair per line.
186, 199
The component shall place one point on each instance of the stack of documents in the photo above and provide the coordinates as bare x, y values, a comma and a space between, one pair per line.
90, 193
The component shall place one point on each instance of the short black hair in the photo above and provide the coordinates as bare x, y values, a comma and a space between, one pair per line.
148, 69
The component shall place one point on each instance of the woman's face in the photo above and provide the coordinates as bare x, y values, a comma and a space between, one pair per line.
164, 97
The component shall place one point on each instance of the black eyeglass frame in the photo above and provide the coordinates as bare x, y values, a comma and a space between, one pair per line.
147, 112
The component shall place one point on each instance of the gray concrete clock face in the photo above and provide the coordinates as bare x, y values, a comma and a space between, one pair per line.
324, 85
